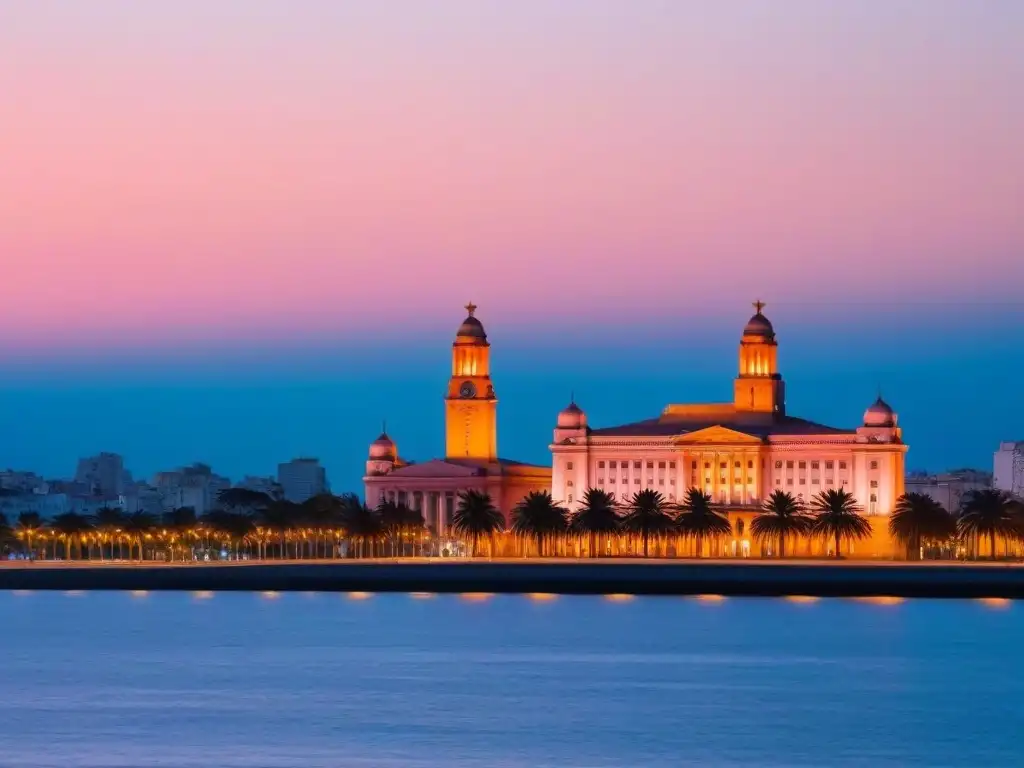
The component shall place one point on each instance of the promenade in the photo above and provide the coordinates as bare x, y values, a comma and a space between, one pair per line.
812, 578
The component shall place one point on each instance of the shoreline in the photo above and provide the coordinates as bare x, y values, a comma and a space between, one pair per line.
583, 577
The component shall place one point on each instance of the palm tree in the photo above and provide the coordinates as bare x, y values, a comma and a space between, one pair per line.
361, 523
137, 526
596, 515
108, 521
991, 513
322, 514
647, 514
782, 516
278, 518
837, 514
71, 527
182, 524
476, 516
698, 518
917, 518
7, 537
399, 523
539, 516
28, 526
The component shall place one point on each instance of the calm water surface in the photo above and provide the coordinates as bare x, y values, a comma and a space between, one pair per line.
172, 679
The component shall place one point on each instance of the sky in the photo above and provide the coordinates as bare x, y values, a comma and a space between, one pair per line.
243, 231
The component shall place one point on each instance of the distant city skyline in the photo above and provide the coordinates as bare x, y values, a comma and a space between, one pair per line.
259, 240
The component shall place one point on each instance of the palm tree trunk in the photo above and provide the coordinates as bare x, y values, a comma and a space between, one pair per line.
992, 543
782, 546
837, 545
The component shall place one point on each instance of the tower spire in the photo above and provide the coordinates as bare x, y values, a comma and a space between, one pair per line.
759, 305
471, 308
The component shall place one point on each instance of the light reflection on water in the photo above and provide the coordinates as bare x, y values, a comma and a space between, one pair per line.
510, 681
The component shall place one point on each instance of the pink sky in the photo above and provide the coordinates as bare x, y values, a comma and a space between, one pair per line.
168, 166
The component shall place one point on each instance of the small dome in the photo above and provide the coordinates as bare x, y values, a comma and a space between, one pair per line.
572, 417
880, 414
383, 448
471, 328
759, 326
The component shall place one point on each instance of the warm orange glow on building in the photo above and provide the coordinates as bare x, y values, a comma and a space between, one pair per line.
471, 407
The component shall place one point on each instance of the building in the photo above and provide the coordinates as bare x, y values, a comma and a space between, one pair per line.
267, 485
948, 488
1008, 468
739, 452
471, 460
302, 479
103, 474
196, 486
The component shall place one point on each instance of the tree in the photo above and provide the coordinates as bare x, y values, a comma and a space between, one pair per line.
70, 528
322, 515
182, 523
918, 518
597, 515
782, 516
476, 516
28, 526
537, 515
137, 527
698, 518
837, 515
399, 523
646, 514
991, 513
108, 521
361, 523
243, 500
7, 537
279, 518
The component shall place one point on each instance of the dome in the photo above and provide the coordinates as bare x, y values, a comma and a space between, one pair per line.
759, 325
572, 417
383, 448
471, 328
880, 414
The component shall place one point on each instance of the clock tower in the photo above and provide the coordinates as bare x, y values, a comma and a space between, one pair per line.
471, 407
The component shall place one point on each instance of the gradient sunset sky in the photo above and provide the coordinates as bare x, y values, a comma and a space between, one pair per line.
242, 231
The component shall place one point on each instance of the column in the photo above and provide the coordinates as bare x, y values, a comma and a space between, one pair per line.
744, 478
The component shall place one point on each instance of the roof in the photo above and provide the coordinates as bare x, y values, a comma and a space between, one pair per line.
749, 423
468, 468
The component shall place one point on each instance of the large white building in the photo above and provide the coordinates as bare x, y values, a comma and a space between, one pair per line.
102, 474
738, 452
1008, 467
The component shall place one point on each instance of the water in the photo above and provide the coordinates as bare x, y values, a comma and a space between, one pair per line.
275, 681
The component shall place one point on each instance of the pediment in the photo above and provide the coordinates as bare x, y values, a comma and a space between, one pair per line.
436, 468
718, 435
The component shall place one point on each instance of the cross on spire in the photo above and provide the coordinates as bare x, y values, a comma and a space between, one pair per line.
759, 305
471, 308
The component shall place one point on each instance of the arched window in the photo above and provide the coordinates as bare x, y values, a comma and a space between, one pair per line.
739, 527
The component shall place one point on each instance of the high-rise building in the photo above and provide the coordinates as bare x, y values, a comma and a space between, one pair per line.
948, 488
1008, 467
302, 479
102, 475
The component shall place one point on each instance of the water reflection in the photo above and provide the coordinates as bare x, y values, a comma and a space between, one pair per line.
619, 598
542, 597
802, 599
713, 599
421, 595
881, 600
360, 595
203, 594
476, 597
995, 602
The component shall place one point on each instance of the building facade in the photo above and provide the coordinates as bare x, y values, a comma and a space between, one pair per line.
739, 452
301, 479
471, 460
949, 488
1008, 467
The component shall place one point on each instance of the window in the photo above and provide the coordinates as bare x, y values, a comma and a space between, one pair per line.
750, 465
829, 481
803, 481
671, 465
650, 465
829, 464
600, 465
707, 481
814, 464
803, 465
600, 480
736, 465
568, 465
570, 498
874, 497
842, 465
569, 484
637, 464
874, 483
624, 464
661, 465
671, 497
789, 481
778, 465
739, 527
650, 481
693, 465
874, 465
636, 481
661, 481
778, 481
672, 481
722, 465
707, 465
789, 465
625, 480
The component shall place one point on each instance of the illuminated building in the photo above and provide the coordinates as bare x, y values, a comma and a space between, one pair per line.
739, 452
471, 460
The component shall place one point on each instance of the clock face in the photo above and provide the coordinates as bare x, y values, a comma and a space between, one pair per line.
468, 389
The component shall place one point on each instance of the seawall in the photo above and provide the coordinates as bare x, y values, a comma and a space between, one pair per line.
954, 580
